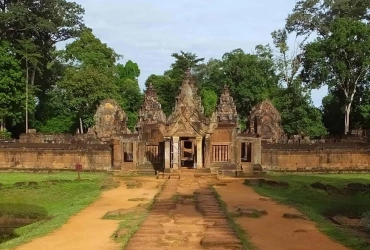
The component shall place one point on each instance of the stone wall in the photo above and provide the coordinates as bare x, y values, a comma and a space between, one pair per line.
55, 156
336, 155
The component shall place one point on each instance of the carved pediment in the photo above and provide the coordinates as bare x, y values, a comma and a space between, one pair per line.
226, 109
110, 120
188, 115
265, 120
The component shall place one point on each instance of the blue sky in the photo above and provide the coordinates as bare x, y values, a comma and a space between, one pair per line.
149, 31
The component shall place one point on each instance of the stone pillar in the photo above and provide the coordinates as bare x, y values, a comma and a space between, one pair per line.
167, 153
135, 153
117, 154
257, 151
199, 152
208, 151
175, 152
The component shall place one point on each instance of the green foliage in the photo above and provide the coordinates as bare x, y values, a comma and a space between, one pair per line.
341, 60
130, 96
5, 134
12, 87
166, 90
209, 101
89, 77
332, 114
251, 78
298, 113
61, 200
128, 71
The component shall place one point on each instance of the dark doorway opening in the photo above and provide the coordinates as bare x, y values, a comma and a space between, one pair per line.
246, 152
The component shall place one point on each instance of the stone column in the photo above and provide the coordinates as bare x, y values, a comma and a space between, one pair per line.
257, 151
199, 152
208, 151
175, 152
167, 153
117, 154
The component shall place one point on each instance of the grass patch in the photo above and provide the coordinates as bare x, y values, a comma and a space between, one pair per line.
318, 204
240, 232
130, 221
57, 195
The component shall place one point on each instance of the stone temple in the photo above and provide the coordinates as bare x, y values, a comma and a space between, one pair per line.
187, 138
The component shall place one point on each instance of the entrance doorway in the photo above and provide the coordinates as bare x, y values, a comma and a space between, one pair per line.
187, 152
246, 152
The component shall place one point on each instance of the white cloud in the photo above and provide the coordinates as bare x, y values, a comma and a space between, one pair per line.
149, 31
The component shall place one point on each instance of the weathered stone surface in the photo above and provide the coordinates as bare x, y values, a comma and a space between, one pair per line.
110, 121
151, 111
265, 120
226, 109
188, 117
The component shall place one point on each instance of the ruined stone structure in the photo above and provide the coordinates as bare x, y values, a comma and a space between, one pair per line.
110, 121
265, 121
184, 139
187, 138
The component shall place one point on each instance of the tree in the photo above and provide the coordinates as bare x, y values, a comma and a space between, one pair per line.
128, 71
89, 77
166, 90
297, 111
342, 60
29, 54
316, 16
12, 88
129, 90
209, 101
251, 78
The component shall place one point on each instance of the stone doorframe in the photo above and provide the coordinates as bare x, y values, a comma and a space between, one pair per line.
172, 154
256, 149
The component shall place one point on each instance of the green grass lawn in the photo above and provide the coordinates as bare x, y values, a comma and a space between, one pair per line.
317, 203
57, 200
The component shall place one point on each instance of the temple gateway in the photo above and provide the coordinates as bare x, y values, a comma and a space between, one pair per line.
187, 138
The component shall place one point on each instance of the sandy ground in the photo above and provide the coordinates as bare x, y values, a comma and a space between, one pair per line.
180, 225
87, 230
272, 231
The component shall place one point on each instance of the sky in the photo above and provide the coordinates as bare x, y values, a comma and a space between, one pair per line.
149, 31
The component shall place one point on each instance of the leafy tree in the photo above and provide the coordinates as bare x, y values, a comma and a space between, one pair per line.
316, 16
331, 114
89, 77
129, 91
250, 77
209, 101
12, 88
211, 76
128, 71
297, 111
166, 90
293, 100
341, 60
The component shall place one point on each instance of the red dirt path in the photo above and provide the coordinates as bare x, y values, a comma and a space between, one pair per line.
87, 230
272, 231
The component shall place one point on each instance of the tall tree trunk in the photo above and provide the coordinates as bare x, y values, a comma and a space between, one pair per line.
33, 75
2, 124
347, 109
26, 95
81, 127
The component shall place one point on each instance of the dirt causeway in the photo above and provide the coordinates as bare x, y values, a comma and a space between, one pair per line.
87, 230
272, 231
187, 215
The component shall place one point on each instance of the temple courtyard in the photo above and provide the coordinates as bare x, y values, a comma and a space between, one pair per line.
188, 211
